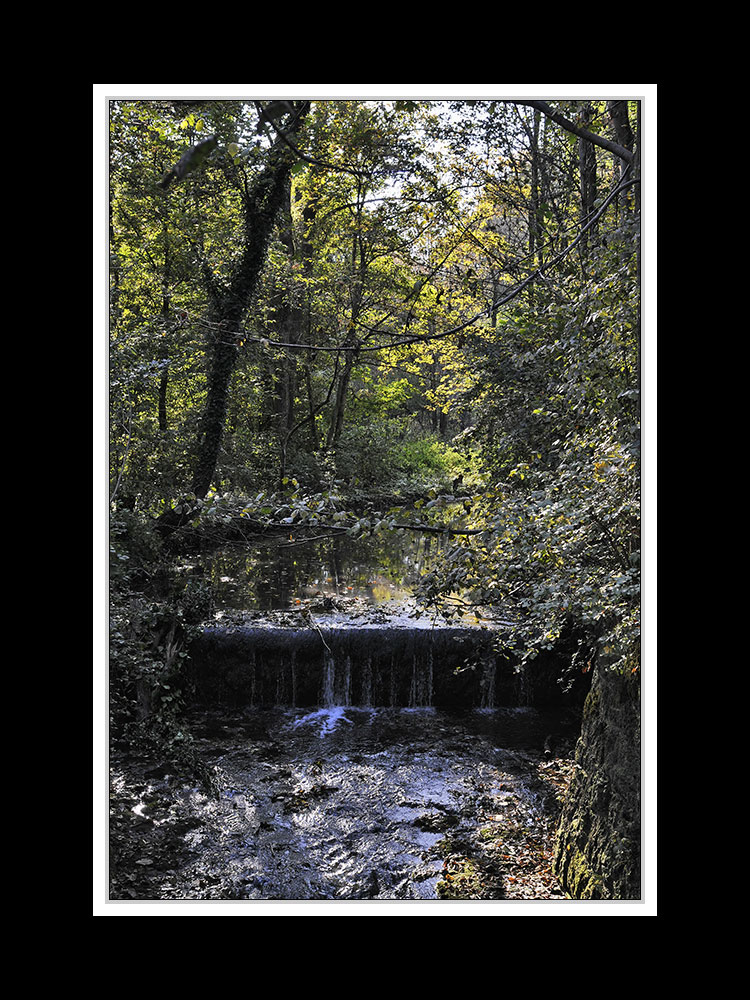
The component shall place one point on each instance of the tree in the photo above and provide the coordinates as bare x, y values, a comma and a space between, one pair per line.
152, 281
260, 202
558, 423
311, 298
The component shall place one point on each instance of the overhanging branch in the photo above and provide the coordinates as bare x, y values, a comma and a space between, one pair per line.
625, 182
582, 133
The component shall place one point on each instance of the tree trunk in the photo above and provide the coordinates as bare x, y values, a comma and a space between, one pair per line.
358, 273
289, 316
587, 168
534, 206
618, 115
342, 389
165, 309
261, 206
163, 385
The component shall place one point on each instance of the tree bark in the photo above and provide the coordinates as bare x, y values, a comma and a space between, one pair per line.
587, 170
618, 115
359, 270
289, 316
342, 389
261, 206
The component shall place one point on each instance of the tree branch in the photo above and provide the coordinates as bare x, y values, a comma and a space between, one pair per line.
313, 161
582, 133
424, 338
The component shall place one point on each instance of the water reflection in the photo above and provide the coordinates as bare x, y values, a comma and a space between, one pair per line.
278, 574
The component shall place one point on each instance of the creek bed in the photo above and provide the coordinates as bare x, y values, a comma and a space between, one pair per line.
350, 756
349, 803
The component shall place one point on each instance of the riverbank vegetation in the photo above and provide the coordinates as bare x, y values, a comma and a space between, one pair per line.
324, 314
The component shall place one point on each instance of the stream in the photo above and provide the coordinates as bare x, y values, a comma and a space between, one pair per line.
356, 804
338, 798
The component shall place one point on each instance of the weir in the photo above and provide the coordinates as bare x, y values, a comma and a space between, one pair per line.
348, 664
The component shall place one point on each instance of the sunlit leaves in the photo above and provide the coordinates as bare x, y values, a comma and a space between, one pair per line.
403, 223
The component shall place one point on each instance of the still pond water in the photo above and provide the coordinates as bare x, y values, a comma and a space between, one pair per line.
281, 573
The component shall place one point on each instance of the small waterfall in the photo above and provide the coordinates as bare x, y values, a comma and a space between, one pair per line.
345, 684
420, 692
337, 681
366, 695
487, 683
261, 665
328, 696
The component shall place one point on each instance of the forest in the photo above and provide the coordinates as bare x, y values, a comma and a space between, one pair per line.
372, 323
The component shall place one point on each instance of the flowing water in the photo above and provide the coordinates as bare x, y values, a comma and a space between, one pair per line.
351, 803
350, 763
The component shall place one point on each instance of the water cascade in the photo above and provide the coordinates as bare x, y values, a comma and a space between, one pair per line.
360, 752
358, 761
346, 664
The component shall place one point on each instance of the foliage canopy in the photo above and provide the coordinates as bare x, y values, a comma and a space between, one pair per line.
343, 295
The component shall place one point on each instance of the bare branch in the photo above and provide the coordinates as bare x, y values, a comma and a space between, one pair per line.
582, 133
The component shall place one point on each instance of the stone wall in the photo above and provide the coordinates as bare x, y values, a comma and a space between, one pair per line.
598, 846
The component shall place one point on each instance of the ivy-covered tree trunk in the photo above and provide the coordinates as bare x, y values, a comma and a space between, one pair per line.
261, 206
